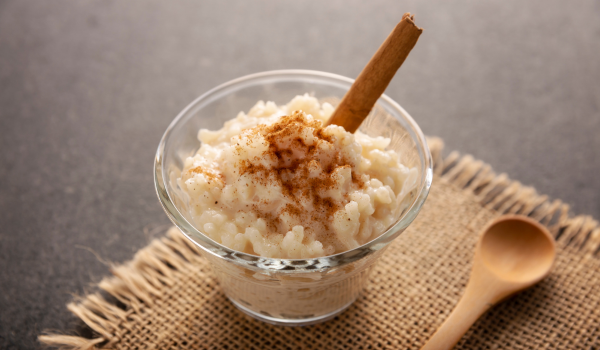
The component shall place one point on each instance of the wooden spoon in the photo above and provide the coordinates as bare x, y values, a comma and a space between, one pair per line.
513, 253
377, 74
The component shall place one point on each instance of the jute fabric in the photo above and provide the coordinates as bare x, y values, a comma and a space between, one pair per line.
166, 297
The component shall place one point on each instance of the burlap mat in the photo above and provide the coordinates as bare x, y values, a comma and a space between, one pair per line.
166, 297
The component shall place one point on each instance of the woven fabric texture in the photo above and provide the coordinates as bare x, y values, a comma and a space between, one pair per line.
166, 297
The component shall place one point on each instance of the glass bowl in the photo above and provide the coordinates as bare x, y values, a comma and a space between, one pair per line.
287, 291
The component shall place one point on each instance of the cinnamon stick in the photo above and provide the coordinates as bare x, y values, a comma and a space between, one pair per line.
377, 74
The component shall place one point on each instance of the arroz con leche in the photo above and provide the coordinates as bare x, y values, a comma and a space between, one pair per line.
273, 182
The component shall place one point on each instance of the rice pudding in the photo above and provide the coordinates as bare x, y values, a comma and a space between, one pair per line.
273, 182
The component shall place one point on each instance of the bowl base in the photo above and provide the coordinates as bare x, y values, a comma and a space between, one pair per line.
290, 322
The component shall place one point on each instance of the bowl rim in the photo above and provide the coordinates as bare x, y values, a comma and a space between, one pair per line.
214, 248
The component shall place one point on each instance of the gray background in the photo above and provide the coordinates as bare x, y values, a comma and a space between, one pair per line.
88, 87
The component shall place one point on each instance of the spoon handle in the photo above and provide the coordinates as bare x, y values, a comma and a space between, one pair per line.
471, 306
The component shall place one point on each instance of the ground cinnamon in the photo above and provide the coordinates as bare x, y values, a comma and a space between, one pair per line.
292, 156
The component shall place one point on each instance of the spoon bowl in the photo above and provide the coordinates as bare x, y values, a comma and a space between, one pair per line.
513, 253
517, 249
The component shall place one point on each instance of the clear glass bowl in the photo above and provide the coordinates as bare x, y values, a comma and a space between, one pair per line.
287, 291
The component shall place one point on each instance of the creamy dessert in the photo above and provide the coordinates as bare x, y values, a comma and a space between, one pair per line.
274, 182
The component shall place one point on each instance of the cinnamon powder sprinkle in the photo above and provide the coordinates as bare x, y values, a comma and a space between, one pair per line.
210, 175
302, 166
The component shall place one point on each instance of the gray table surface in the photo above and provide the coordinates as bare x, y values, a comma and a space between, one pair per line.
88, 87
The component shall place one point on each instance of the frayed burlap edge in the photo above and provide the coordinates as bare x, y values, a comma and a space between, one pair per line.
135, 283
